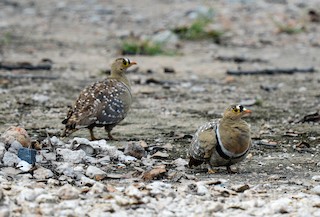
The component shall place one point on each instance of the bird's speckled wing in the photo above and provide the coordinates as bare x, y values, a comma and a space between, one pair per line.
203, 142
102, 103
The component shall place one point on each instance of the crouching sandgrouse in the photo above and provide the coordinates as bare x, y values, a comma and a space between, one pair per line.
102, 104
222, 142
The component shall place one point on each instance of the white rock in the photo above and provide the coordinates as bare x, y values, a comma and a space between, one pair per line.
85, 181
47, 198
316, 178
282, 205
97, 188
24, 166
201, 189
66, 169
14, 147
55, 141
316, 190
165, 37
40, 98
42, 173
10, 159
180, 163
4, 211
44, 156
126, 158
2, 150
71, 156
68, 192
95, 173
27, 194
104, 160
158, 187
133, 191
78, 140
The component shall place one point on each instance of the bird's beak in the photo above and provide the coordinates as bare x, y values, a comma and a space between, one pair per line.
247, 111
133, 63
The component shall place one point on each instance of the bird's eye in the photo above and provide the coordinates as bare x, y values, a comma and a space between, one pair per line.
125, 62
235, 110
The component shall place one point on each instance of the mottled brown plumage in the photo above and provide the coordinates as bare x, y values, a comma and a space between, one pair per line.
102, 104
222, 142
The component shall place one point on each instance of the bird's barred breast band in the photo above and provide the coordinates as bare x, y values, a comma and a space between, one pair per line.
223, 152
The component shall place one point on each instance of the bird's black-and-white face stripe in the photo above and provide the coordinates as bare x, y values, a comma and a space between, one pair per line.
240, 108
126, 61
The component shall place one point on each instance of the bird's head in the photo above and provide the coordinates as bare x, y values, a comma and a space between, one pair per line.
236, 112
121, 65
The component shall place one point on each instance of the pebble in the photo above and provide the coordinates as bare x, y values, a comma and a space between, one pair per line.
316, 190
95, 173
316, 178
135, 149
68, 192
24, 166
71, 156
42, 173
2, 150
10, 159
16, 134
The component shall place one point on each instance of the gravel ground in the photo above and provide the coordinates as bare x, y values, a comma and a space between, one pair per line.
76, 177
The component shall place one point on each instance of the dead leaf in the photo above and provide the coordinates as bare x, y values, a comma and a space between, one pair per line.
154, 173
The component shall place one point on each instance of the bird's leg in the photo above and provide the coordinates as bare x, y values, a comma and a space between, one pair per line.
110, 136
108, 129
92, 135
230, 171
210, 170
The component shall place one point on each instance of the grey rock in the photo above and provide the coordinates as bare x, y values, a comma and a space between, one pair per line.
316, 190
42, 173
68, 192
10, 159
135, 149
71, 156
2, 150
14, 147
95, 173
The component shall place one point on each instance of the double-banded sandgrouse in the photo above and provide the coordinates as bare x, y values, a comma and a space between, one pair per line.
222, 142
102, 104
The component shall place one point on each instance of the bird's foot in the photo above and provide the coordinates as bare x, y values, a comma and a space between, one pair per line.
211, 171
111, 137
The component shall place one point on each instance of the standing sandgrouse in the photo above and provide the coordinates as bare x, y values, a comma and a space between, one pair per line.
222, 142
102, 104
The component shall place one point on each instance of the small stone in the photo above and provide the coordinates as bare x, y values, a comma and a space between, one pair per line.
316, 190
282, 205
68, 192
5, 211
160, 154
71, 156
2, 150
133, 191
201, 189
10, 159
316, 178
95, 173
168, 70
42, 173
240, 188
135, 149
15, 147
24, 166
16, 133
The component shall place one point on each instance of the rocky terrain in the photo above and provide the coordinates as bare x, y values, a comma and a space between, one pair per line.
50, 50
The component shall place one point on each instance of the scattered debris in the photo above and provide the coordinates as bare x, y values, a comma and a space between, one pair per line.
271, 71
315, 117
154, 173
